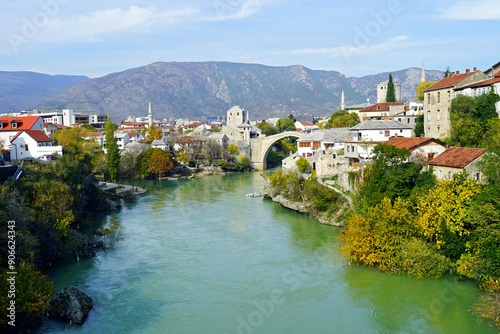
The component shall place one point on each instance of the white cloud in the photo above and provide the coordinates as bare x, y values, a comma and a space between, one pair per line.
92, 27
472, 10
392, 43
235, 10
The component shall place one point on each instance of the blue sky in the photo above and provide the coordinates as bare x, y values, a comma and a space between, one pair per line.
355, 37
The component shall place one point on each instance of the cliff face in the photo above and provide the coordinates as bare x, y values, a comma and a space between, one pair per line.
189, 89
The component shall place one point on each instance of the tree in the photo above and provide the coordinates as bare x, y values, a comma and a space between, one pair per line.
285, 124
419, 127
302, 164
33, 293
267, 128
159, 163
53, 203
234, 150
443, 212
391, 95
421, 87
447, 72
182, 157
342, 119
292, 118
113, 154
154, 133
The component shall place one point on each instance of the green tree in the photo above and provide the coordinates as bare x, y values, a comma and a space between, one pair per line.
342, 119
234, 150
421, 87
33, 293
267, 128
391, 95
285, 124
447, 72
112, 154
292, 118
419, 127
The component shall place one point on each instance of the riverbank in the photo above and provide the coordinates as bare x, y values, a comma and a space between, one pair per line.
121, 189
322, 202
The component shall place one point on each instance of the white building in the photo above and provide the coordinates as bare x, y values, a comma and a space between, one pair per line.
305, 126
480, 88
68, 117
322, 140
366, 135
32, 144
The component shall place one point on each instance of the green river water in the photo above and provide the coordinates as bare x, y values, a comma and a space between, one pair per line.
197, 256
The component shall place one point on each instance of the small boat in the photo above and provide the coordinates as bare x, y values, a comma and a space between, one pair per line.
254, 195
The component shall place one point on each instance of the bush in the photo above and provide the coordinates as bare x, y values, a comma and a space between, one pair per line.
302, 164
419, 259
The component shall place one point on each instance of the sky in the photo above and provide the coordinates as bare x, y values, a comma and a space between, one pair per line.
354, 37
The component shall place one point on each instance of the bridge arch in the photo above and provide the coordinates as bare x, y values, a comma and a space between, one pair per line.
260, 147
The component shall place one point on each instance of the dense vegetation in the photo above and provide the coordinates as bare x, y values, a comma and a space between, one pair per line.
49, 205
342, 119
405, 221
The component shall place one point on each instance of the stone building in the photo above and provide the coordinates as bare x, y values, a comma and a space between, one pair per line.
438, 97
456, 160
382, 91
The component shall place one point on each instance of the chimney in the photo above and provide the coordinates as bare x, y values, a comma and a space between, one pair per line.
467, 71
452, 73
421, 135
475, 69
458, 72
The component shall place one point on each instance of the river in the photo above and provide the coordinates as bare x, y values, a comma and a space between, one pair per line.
197, 256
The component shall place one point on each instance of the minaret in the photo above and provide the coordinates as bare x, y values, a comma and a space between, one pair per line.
150, 115
342, 101
422, 76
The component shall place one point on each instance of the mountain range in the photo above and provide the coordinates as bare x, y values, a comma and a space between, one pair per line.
25, 90
198, 89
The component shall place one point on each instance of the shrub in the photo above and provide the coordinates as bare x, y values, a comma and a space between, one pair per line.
302, 164
419, 259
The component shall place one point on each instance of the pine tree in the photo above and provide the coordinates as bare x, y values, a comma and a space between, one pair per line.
112, 155
391, 96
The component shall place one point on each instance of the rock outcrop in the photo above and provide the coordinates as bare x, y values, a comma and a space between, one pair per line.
70, 305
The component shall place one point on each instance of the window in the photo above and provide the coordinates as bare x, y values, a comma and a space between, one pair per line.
316, 145
401, 131
477, 177
440, 174
26, 147
387, 133
348, 148
399, 119
428, 116
14, 125
449, 175
439, 97
428, 97
439, 115
408, 120
449, 96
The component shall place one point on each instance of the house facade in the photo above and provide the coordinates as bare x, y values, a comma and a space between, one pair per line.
456, 160
438, 97
322, 140
305, 126
31, 144
481, 88
381, 110
423, 149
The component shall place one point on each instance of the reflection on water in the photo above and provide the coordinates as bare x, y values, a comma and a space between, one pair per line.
197, 256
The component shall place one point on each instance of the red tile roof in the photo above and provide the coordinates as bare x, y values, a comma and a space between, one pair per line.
411, 143
382, 106
23, 122
497, 74
133, 134
449, 81
37, 135
306, 123
457, 157
487, 82
94, 134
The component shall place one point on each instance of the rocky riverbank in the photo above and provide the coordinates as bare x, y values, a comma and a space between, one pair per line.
307, 205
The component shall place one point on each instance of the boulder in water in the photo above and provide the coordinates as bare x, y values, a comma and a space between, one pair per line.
70, 305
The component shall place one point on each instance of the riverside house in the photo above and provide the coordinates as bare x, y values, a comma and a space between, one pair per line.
456, 160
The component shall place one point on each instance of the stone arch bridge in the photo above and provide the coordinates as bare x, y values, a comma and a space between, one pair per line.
259, 147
